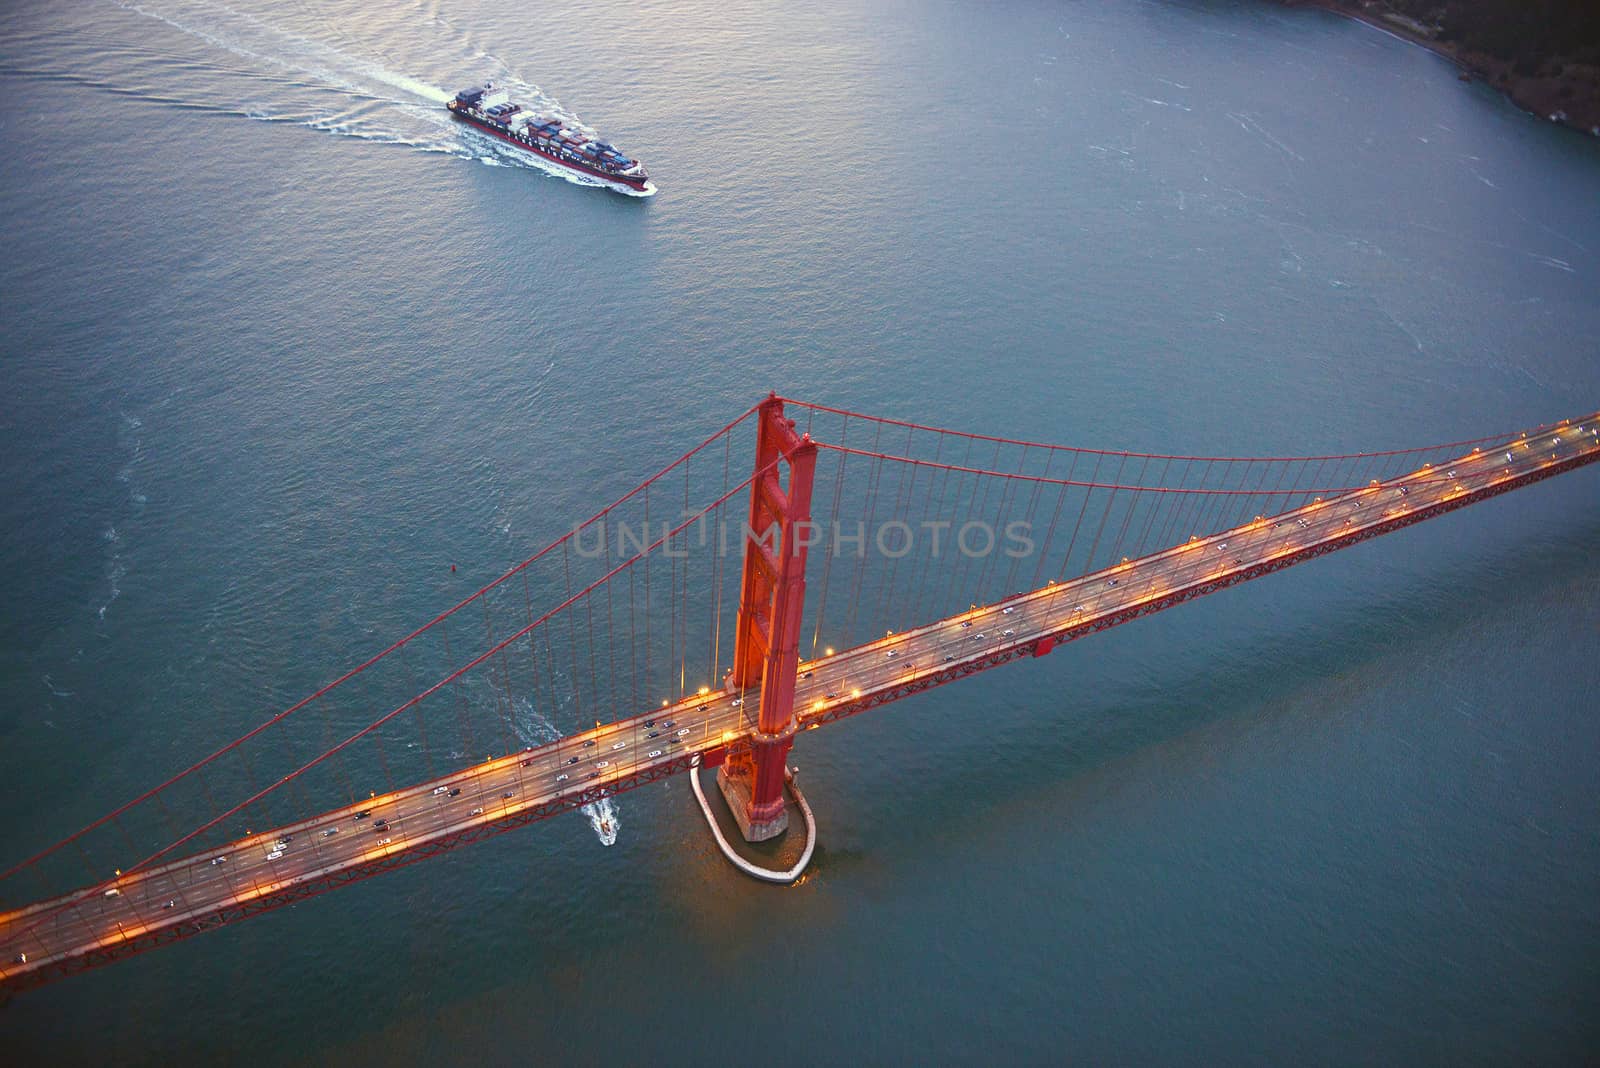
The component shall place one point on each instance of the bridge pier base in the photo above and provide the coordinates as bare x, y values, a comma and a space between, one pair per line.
752, 785
749, 867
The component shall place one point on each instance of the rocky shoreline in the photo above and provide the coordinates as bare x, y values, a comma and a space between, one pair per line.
1557, 89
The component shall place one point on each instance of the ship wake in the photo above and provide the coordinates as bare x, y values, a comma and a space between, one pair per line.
535, 729
309, 69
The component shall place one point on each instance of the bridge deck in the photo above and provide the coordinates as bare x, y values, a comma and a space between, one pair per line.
161, 904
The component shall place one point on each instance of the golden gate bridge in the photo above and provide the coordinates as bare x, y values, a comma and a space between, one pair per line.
706, 618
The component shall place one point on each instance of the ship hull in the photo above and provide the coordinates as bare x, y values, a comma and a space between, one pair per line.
623, 182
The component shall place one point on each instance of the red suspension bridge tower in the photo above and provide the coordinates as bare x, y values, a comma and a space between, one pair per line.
771, 602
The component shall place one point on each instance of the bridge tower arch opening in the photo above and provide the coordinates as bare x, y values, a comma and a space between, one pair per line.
771, 603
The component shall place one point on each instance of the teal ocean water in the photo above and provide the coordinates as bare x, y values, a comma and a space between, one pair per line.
280, 344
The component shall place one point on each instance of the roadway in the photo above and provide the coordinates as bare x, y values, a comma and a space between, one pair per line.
936, 649
132, 907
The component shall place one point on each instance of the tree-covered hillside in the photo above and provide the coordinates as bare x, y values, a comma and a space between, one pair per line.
1544, 54
1525, 33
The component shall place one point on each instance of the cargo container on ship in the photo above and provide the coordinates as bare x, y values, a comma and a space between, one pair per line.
490, 109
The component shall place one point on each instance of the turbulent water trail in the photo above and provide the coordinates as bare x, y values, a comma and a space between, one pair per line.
534, 729
249, 38
337, 90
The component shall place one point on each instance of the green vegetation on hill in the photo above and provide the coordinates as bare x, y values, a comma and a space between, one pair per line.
1543, 54
1525, 33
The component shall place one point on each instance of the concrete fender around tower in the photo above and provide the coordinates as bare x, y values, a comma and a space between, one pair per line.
755, 871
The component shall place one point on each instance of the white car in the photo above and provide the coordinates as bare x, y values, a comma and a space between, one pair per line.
437, 790
385, 841
562, 777
1009, 610
619, 745
654, 753
476, 812
275, 854
737, 701
603, 764
1008, 633
683, 733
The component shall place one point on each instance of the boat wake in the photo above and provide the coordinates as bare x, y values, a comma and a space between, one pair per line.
534, 729
603, 818
287, 71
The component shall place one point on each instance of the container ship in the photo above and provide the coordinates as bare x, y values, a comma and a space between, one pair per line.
491, 110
